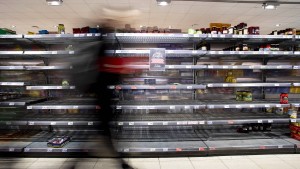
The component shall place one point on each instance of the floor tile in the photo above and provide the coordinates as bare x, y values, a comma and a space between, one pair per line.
45, 165
261, 156
50, 160
27, 160
174, 159
209, 164
108, 165
79, 165
22, 165
240, 163
293, 163
82, 159
145, 165
272, 163
203, 158
176, 164
232, 157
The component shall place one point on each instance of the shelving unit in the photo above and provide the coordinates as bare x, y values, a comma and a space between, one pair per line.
163, 118
35, 104
189, 110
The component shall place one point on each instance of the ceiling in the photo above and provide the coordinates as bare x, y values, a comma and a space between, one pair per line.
24, 14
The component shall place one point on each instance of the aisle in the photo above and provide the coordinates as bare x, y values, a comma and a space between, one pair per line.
289, 161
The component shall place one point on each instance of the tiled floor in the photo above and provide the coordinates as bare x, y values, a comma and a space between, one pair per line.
288, 161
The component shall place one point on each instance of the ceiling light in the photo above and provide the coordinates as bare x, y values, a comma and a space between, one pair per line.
163, 2
270, 5
13, 26
54, 2
277, 25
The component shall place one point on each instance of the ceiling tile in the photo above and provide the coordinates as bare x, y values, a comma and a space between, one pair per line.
179, 8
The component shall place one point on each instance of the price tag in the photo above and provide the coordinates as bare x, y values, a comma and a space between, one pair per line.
49, 150
172, 107
279, 67
70, 123
225, 85
214, 35
165, 123
71, 52
64, 150
150, 123
75, 107
196, 35
120, 123
26, 149
293, 120
187, 107
192, 122
90, 123
267, 105
285, 53
31, 123
275, 53
242, 53
44, 107
52, 123
126, 149
171, 67
59, 87
212, 52
72, 87
165, 149
131, 123
234, 67
54, 52
226, 106
89, 34
11, 103
232, 52
211, 106
152, 149
202, 122
209, 122
97, 34
188, 67
252, 106
278, 105
296, 67
178, 149
221, 52
270, 121
280, 146
196, 107
76, 35
238, 106
210, 85
81, 35
222, 36
255, 53
11, 149
8, 123
185, 35
210, 67
276, 84
189, 87
259, 121
29, 107
225, 67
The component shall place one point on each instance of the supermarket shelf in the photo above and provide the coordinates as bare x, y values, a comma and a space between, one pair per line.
49, 87
256, 144
12, 83
154, 87
62, 52
11, 52
154, 37
160, 105
47, 67
263, 67
152, 147
249, 84
145, 53
12, 68
62, 123
71, 147
236, 104
11, 36
64, 38
189, 119
250, 53
65, 104
13, 146
249, 38
20, 102
296, 67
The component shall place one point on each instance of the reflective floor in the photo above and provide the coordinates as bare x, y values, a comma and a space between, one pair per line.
288, 161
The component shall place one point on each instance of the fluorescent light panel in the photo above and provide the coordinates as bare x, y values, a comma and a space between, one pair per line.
54, 2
